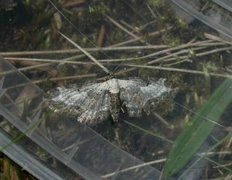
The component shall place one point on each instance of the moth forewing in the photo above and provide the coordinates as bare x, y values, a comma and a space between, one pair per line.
90, 104
96, 110
138, 95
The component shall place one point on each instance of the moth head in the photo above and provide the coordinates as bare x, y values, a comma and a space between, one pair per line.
113, 86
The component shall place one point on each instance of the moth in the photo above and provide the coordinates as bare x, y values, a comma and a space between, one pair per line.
97, 102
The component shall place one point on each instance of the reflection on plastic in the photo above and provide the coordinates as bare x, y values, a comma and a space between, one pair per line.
216, 14
76, 146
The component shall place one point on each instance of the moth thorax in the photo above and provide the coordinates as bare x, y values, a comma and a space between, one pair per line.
113, 86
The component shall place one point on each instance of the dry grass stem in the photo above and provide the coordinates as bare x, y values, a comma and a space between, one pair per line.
156, 33
179, 70
125, 30
135, 167
71, 51
66, 78
86, 53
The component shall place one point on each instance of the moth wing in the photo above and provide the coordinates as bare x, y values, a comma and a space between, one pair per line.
90, 103
96, 109
132, 82
130, 96
135, 95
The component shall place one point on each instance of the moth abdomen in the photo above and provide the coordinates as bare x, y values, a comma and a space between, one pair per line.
115, 106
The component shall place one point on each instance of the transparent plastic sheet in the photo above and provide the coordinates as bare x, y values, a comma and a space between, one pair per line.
31, 156
81, 150
227, 4
25, 159
216, 14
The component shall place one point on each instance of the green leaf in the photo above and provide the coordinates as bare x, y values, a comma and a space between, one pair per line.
196, 133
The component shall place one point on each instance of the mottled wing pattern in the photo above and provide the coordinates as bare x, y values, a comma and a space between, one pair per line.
90, 103
95, 108
135, 94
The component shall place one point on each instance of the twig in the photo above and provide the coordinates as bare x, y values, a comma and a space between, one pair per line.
151, 11
124, 29
180, 70
32, 59
141, 37
34, 67
66, 78
147, 24
183, 51
86, 53
183, 46
214, 51
131, 27
216, 38
73, 4
101, 36
135, 167
71, 51
162, 120
167, 58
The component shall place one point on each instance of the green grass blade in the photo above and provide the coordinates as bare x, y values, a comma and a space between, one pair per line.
196, 133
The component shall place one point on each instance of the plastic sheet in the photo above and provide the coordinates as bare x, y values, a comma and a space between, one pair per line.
216, 14
227, 4
65, 150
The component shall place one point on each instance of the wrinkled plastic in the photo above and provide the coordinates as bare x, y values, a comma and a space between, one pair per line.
25, 160
61, 151
216, 14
